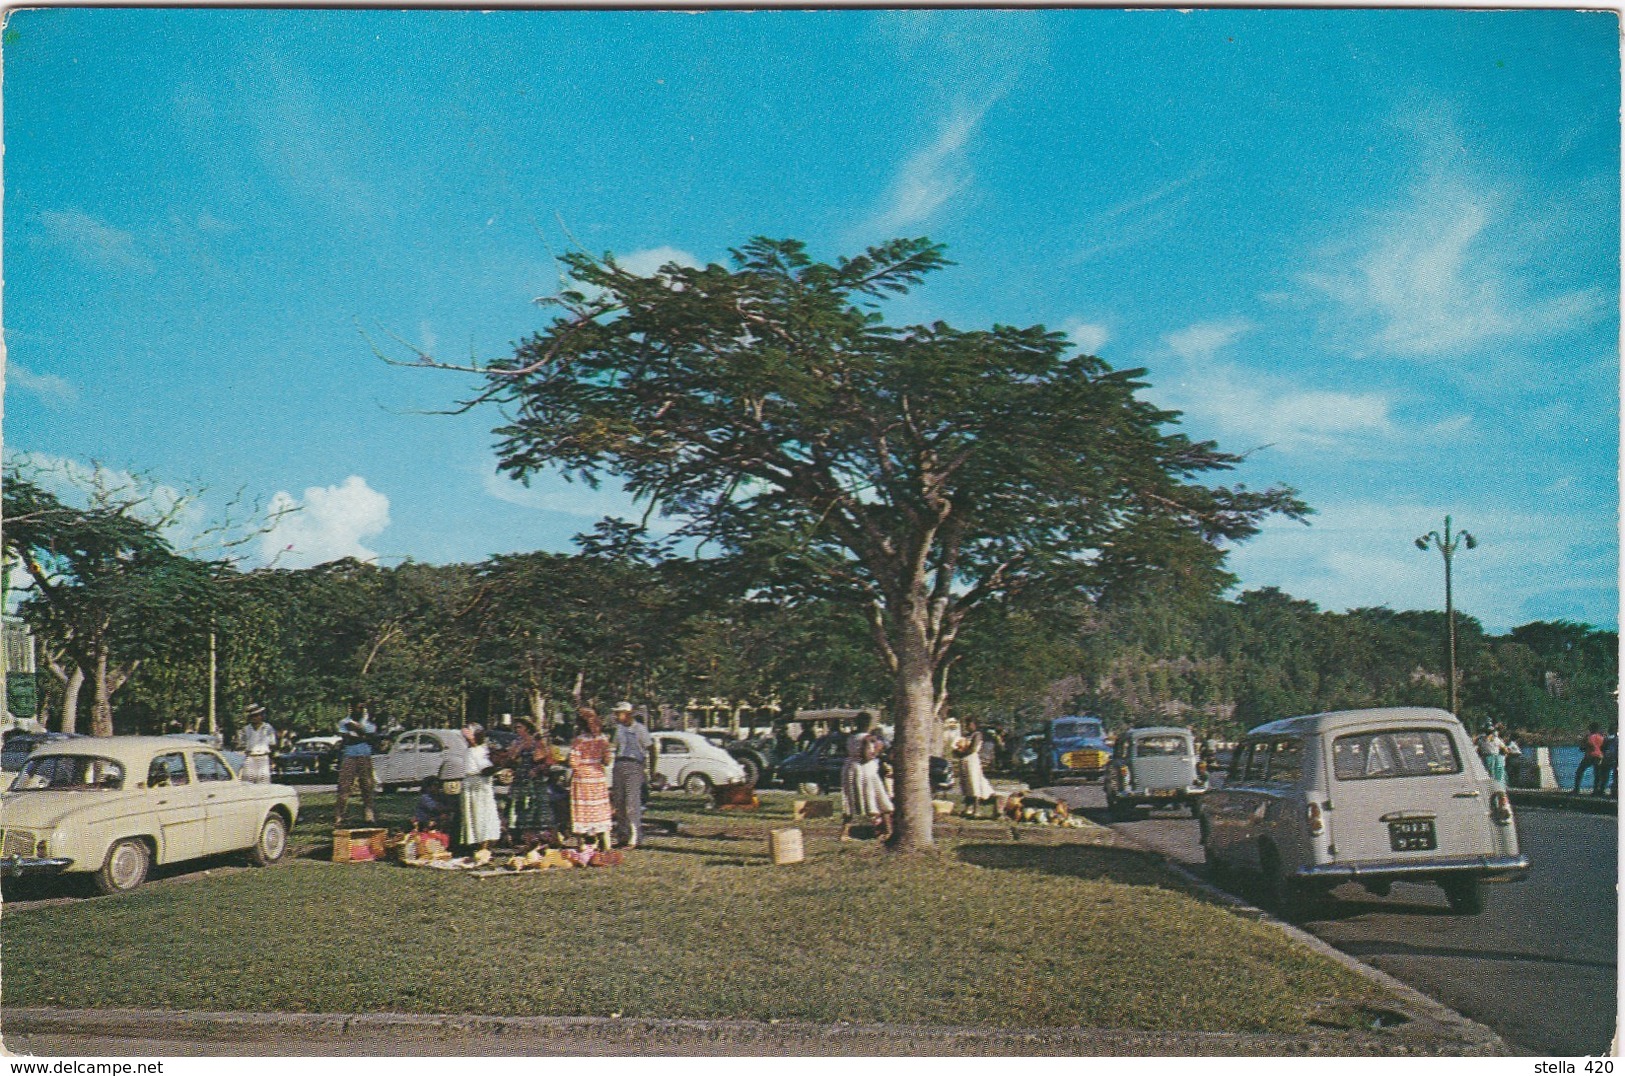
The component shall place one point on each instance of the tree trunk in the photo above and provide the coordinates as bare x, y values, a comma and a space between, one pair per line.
70, 699
916, 702
538, 710
101, 709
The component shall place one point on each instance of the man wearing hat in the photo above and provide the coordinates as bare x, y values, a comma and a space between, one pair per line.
257, 740
634, 757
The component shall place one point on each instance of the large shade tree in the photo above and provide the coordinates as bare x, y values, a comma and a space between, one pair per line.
922, 472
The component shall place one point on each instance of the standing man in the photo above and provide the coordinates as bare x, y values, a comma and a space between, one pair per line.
257, 740
1608, 768
355, 762
1591, 757
634, 757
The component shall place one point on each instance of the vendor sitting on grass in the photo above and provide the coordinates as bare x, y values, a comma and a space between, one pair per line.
432, 812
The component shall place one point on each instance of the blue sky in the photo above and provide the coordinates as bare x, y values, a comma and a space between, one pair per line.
1378, 250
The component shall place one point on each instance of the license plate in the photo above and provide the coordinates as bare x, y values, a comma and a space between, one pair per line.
1165, 792
1413, 835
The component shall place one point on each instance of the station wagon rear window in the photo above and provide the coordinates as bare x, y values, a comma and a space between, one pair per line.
1161, 745
1394, 753
1078, 730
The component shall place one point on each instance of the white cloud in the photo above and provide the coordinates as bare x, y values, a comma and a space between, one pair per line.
1445, 272
179, 515
550, 493
1200, 342
330, 522
648, 262
1087, 337
1260, 407
1360, 553
48, 387
931, 176
94, 241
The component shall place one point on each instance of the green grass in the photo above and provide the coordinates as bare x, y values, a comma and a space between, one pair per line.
987, 931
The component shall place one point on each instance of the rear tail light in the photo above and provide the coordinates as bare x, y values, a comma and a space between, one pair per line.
1122, 775
1501, 808
1317, 821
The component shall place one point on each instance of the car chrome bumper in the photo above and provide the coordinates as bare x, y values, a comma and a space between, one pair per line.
1486, 868
1178, 795
16, 865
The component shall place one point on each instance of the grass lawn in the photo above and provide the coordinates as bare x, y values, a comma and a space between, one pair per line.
988, 931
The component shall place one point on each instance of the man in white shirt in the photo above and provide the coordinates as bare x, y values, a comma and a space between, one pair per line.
257, 740
634, 754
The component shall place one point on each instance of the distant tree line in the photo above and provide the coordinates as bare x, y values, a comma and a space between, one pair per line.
624, 616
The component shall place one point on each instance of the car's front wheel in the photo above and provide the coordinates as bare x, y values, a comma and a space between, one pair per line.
273, 842
125, 869
752, 768
697, 784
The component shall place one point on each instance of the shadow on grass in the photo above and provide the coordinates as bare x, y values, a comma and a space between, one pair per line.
1082, 861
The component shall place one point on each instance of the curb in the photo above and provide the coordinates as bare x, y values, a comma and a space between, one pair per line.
1481, 1040
133, 1032
1561, 800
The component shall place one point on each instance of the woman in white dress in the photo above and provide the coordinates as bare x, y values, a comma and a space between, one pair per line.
864, 797
481, 822
973, 785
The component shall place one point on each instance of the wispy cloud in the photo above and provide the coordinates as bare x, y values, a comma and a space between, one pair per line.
1457, 263
52, 390
929, 178
1250, 407
648, 262
93, 241
326, 524
551, 493
1203, 340
1136, 219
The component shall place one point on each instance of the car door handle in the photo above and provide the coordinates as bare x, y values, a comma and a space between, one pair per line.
162, 802
1472, 795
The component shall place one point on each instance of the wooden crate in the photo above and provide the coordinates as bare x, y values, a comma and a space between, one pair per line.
347, 841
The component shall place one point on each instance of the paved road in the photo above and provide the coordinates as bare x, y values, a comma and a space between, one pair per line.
1539, 966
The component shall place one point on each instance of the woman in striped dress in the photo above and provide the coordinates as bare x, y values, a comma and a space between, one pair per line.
590, 814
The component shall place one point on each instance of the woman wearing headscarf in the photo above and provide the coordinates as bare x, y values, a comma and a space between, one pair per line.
590, 812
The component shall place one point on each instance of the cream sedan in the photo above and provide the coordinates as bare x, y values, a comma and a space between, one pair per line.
112, 807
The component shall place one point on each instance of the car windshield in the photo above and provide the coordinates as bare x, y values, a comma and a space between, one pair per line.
1394, 753
69, 772
1162, 745
1078, 730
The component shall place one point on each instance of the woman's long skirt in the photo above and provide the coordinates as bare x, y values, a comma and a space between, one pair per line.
481, 822
863, 790
589, 801
972, 785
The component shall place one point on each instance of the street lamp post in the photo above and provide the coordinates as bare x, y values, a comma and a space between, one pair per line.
1447, 546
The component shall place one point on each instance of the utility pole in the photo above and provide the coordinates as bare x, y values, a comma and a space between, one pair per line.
212, 666
1447, 546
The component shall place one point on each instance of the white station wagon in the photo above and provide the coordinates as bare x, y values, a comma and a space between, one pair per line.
1367, 796
114, 806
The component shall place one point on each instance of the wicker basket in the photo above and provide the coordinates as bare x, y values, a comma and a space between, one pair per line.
348, 845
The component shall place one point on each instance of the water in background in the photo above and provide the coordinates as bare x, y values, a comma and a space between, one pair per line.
1565, 760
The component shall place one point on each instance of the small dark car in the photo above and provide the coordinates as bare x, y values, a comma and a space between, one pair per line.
312, 757
821, 765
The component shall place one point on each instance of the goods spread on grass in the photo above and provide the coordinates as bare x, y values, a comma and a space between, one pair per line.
986, 931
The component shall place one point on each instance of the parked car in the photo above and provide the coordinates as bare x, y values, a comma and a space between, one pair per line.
112, 807
1073, 747
1153, 767
819, 766
693, 763
313, 756
19, 745
759, 755
421, 753
1367, 796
